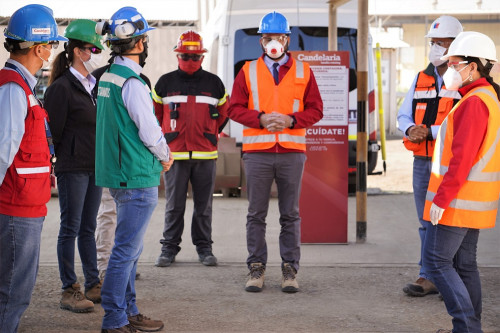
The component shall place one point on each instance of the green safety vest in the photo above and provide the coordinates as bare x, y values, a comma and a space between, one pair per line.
122, 160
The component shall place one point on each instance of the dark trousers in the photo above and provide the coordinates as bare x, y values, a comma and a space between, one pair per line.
201, 174
286, 170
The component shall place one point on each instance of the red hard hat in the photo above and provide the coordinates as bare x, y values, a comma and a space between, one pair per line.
190, 42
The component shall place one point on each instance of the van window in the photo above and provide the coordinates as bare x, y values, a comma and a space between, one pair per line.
246, 45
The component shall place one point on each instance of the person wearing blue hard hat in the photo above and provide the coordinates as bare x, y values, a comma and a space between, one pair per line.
276, 98
26, 158
131, 153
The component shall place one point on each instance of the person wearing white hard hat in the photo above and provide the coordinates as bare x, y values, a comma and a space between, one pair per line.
426, 105
464, 187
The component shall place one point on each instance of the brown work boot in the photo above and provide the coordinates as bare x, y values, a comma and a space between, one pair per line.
256, 280
124, 329
143, 323
73, 300
420, 288
94, 293
289, 282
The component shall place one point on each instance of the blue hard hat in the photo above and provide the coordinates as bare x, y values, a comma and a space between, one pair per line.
274, 23
127, 22
33, 23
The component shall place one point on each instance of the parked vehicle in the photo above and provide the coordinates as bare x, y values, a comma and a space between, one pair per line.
231, 36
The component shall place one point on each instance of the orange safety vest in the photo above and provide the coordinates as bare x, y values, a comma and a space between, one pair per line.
476, 203
285, 97
429, 108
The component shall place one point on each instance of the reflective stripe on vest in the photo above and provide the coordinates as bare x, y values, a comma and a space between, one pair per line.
30, 171
476, 203
197, 155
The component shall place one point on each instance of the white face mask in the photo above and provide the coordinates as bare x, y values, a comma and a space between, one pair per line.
93, 63
435, 54
47, 63
452, 78
274, 49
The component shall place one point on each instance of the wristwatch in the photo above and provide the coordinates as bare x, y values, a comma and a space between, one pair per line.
292, 122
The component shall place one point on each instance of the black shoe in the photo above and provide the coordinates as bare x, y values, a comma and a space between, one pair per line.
137, 275
207, 258
165, 259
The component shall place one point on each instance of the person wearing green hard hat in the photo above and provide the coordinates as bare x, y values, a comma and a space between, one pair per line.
71, 104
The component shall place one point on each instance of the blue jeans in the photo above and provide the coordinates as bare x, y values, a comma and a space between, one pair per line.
79, 200
134, 208
450, 260
19, 255
421, 176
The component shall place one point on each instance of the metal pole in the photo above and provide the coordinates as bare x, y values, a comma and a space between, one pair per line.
362, 139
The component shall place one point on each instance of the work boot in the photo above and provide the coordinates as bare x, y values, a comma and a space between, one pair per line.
420, 288
143, 323
94, 293
165, 259
289, 283
73, 300
124, 329
207, 258
256, 280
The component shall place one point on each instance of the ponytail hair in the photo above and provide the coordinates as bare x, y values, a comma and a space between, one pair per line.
64, 59
484, 71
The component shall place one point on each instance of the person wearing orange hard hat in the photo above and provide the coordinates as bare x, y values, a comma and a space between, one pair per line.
191, 107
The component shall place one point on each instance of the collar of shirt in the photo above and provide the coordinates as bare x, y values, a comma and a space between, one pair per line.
88, 81
124, 61
31, 79
269, 62
439, 82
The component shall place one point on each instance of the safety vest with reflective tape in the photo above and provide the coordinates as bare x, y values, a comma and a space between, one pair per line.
476, 203
25, 189
285, 97
429, 108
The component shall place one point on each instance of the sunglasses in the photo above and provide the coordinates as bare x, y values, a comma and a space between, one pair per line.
92, 49
190, 56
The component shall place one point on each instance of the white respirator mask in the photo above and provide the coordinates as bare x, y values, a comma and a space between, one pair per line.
435, 54
274, 49
452, 78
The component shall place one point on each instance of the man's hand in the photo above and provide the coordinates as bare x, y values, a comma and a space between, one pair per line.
436, 213
168, 164
417, 133
275, 122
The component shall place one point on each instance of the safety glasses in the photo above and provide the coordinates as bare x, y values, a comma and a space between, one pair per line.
454, 64
190, 56
440, 43
52, 45
282, 39
92, 49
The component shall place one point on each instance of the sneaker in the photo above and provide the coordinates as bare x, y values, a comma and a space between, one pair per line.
143, 323
420, 288
207, 258
94, 294
73, 300
165, 259
256, 280
124, 329
289, 283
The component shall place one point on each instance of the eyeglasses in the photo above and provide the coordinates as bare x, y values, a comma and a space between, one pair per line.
52, 45
440, 43
188, 56
282, 39
456, 63
92, 49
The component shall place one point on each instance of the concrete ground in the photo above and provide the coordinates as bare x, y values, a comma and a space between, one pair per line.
344, 288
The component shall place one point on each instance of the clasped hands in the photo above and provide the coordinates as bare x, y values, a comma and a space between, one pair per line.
417, 133
275, 122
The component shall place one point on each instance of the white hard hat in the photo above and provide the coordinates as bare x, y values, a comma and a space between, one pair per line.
445, 27
472, 44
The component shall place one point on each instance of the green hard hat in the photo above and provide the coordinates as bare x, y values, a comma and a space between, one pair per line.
83, 30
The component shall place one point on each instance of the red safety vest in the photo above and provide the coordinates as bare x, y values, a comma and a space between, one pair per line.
429, 108
285, 97
26, 187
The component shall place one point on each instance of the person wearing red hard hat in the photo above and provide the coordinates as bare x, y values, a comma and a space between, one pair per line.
26, 158
276, 98
191, 107
425, 106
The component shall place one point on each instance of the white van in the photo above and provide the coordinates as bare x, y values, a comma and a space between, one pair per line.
230, 34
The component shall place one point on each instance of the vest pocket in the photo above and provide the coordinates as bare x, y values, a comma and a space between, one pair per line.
211, 137
170, 136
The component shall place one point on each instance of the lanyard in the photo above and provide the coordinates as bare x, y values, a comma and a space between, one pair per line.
47, 128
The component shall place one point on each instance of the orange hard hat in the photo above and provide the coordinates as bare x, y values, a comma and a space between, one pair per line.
190, 42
